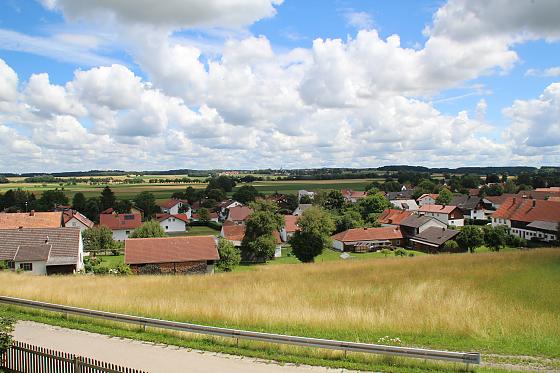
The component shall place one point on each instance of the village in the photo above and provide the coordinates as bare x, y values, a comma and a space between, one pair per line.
201, 231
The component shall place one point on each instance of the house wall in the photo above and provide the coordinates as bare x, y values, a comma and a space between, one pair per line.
349, 246
39, 267
338, 245
457, 222
80, 263
426, 201
171, 268
172, 224
76, 223
173, 210
121, 234
431, 223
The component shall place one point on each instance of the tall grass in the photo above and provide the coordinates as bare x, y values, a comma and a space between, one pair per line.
498, 302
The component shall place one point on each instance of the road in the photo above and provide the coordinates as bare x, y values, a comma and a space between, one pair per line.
154, 358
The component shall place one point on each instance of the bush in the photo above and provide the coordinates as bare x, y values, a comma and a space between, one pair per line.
230, 256
6, 330
100, 270
401, 252
123, 269
3, 265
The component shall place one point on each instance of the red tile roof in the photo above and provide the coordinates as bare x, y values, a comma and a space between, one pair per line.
239, 213
349, 193
234, 232
528, 210
392, 216
369, 234
30, 220
170, 249
213, 215
120, 221
162, 217
440, 209
290, 223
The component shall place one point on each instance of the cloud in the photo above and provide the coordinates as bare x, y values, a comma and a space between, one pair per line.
359, 20
8, 82
549, 72
170, 13
48, 99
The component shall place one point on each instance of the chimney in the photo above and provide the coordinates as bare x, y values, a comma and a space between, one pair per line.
32, 213
47, 239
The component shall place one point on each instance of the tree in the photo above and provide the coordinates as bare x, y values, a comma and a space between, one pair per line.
204, 215
391, 186
50, 198
495, 237
98, 239
306, 246
6, 330
317, 221
192, 195
123, 206
148, 229
451, 246
147, 202
306, 200
91, 210
470, 238
289, 203
444, 197
259, 242
316, 226
230, 256
79, 202
216, 194
348, 220
492, 178
494, 190
333, 200
246, 194
372, 204
107, 198
223, 182
510, 187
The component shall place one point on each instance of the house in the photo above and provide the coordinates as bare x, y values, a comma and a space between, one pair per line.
403, 194
496, 201
391, 217
235, 233
427, 199
223, 207
416, 224
405, 204
530, 219
367, 239
137, 210
173, 207
352, 196
239, 214
472, 207
290, 227
213, 217
448, 214
301, 209
171, 255
42, 251
31, 220
432, 239
122, 225
173, 223
73, 218
306, 193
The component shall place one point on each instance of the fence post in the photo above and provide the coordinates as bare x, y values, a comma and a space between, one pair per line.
77, 365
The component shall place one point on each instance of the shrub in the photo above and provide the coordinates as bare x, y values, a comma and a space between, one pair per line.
385, 252
230, 256
123, 269
6, 330
401, 252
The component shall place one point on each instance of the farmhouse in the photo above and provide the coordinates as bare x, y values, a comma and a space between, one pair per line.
173, 207
30, 220
450, 215
73, 218
171, 255
352, 196
427, 199
529, 218
432, 239
301, 209
42, 251
416, 224
392, 217
224, 206
403, 194
122, 225
173, 223
239, 214
367, 239
405, 204
472, 207
290, 227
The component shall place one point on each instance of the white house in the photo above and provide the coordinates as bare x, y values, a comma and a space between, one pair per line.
121, 225
172, 207
405, 204
301, 209
173, 223
427, 199
223, 208
290, 227
42, 251
450, 215
73, 218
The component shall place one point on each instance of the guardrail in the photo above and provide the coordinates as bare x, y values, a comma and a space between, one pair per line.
417, 353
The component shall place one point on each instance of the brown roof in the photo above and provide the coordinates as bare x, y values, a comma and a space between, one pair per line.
290, 223
441, 209
38, 252
170, 249
30, 220
369, 234
349, 193
170, 203
162, 217
528, 210
213, 215
67, 215
120, 221
436, 236
64, 242
239, 213
234, 232
392, 216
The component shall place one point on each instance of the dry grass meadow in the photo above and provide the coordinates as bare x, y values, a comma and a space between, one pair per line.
494, 302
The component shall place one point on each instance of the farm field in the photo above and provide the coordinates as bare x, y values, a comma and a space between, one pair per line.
503, 303
164, 190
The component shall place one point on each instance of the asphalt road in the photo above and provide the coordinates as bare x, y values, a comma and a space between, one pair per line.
147, 356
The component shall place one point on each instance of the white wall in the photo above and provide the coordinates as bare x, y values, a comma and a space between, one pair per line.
39, 268
121, 235
457, 222
338, 245
172, 224
431, 223
75, 223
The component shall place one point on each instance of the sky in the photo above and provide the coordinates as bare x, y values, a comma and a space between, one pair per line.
247, 84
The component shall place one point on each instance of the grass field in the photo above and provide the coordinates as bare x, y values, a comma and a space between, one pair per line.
507, 303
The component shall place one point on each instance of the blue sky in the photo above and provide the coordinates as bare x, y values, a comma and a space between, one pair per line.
291, 80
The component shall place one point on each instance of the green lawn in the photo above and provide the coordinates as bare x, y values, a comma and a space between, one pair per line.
111, 261
201, 231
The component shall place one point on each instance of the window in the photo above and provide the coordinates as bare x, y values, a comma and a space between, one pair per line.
26, 266
166, 227
11, 265
127, 232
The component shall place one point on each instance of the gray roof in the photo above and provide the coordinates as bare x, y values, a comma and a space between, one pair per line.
436, 236
465, 202
63, 242
416, 221
39, 252
544, 225
405, 194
